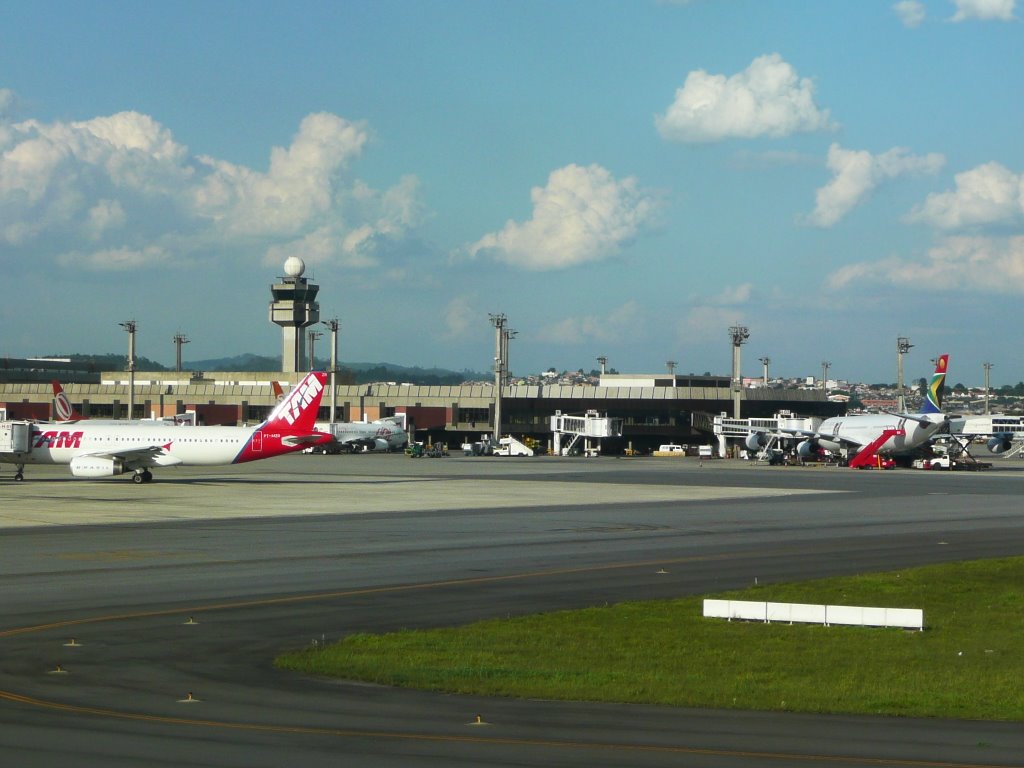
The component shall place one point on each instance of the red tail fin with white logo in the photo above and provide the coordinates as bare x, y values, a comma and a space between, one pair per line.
61, 405
297, 413
291, 426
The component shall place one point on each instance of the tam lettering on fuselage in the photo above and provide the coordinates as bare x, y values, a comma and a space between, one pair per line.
61, 439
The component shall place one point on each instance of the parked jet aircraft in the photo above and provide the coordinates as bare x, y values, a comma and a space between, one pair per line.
884, 433
349, 436
104, 450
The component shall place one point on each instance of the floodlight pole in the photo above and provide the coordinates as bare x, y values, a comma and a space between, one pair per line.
130, 326
765, 361
499, 322
333, 325
988, 368
313, 336
179, 339
903, 346
739, 335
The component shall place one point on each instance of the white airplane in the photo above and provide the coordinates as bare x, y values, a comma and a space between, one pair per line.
351, 436
104, 450
867, 435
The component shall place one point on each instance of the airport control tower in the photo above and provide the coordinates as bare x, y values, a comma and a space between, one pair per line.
294, 307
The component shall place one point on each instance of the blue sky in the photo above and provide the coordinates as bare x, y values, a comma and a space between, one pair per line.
625, 179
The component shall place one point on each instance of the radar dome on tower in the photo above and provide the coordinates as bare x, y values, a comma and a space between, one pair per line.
294, 266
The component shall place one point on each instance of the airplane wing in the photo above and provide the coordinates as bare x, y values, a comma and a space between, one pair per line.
315, 439
133, 458
812, 435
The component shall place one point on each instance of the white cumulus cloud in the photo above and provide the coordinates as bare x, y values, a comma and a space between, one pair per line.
297, 187
709, 317
617, 324
984, 10
911, 12
461, 316
115, 259
582, 215
856, 173
766, 99
983, 264
141, 198
987, 194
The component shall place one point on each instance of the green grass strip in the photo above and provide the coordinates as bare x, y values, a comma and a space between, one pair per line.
968, 663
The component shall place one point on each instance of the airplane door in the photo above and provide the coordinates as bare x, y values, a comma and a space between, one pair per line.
257, 442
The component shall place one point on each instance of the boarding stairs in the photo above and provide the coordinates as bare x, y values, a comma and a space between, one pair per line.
868, 455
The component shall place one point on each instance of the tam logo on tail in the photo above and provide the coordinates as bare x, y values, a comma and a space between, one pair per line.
61, 405
299, 409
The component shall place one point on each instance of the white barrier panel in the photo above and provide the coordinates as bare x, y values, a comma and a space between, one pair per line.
908, 618
745, 610
716, 609
850, 615
798, 612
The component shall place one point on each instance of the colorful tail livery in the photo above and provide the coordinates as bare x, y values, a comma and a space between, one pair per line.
96, 449
62, 408
933, 397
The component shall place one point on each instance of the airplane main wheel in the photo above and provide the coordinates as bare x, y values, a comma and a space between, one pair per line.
147, 476
137, 478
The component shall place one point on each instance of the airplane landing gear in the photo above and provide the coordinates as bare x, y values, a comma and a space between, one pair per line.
144, 476
19, 472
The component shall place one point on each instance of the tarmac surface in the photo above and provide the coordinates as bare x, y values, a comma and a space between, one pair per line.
138, 622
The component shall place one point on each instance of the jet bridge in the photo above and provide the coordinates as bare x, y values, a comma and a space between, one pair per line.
15, 437
590, 426
725, 427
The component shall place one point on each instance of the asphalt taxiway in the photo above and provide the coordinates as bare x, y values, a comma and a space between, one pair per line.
138, 623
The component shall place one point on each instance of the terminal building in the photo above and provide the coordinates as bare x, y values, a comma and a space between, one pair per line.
655, 409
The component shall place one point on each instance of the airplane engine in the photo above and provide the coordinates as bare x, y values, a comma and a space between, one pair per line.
999, 444
96, 466
756, 441
380, 444
808, 448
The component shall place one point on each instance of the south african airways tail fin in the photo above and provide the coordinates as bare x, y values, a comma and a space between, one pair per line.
933, 397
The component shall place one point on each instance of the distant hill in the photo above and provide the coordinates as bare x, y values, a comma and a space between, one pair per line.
350, 373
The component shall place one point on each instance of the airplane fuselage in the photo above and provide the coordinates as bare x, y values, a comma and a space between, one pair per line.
375, 435
60, 443
861, 430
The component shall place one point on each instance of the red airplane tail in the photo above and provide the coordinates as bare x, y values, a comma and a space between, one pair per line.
291, 426
296, 413
61, 405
